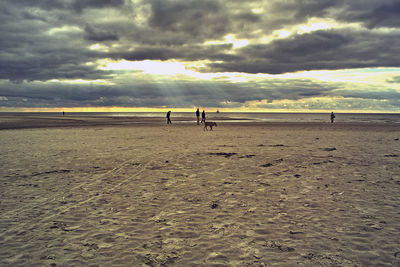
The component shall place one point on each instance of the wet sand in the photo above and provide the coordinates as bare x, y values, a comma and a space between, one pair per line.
134, 192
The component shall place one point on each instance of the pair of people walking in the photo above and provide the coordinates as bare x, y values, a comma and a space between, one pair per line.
203, 116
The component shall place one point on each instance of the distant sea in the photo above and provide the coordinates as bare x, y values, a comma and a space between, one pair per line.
235, 117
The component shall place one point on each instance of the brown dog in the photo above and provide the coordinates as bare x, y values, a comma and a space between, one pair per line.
209, 124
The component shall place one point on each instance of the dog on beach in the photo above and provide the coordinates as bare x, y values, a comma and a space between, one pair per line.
209, 124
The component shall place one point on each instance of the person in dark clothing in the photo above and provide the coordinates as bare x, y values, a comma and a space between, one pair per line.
203, 116
332, 117
169, 117
198, 116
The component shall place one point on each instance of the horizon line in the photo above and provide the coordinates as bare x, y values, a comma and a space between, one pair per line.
192, 109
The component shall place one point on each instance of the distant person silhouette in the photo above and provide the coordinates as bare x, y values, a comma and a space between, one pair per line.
203, 116
332, 117
198, 116
169, 117
63, 113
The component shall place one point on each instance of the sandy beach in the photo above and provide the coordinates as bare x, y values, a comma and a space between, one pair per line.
135, 192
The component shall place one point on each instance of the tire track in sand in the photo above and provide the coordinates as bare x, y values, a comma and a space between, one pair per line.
11, 232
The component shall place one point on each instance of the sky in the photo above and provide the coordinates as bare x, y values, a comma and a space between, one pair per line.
231, 55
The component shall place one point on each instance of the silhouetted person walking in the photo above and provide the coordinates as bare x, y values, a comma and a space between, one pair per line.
203, 116
169, 117
332, 117
198, 116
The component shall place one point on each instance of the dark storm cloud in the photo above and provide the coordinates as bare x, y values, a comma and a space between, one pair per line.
42, 4
179, 94
370, 94
372, 13
328, 50
79, 5
29, 52
178, 29
79, 94
187, 53
295, 11
99, 35
192, 17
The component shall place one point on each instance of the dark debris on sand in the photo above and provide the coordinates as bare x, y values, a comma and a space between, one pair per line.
225, 154
266, 165
214, 206
329, 149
